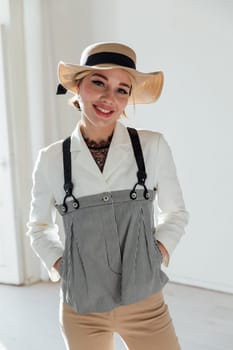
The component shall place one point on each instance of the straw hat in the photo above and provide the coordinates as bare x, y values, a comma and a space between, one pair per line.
146, 87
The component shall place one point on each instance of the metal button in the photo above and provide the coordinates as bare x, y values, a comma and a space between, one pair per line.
105, 198
147, 195
133, 195
75, 204
63, 208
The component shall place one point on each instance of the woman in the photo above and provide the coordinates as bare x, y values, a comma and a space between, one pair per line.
103, 181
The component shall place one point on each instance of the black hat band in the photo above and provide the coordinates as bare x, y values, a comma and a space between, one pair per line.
110, 57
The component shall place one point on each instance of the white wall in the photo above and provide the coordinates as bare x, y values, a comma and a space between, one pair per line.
191, 41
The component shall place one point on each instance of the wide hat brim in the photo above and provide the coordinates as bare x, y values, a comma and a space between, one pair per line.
146, 87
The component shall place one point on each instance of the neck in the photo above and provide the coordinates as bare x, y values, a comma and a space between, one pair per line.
94, 133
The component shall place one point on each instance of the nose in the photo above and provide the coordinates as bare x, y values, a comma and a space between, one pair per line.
107, 96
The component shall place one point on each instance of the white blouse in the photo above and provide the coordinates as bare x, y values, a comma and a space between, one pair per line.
119, 173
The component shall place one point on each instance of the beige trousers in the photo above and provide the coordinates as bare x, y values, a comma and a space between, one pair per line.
144, 325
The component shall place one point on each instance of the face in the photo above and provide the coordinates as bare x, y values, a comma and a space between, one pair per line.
103, 96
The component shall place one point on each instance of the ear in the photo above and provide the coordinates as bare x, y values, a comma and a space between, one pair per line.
78, 85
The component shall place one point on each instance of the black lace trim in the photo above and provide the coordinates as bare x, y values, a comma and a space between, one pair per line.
98, 145
99, 150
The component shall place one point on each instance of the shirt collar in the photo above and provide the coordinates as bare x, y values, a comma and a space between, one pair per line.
120, 136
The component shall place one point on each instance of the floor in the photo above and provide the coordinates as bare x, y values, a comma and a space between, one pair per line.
29, 318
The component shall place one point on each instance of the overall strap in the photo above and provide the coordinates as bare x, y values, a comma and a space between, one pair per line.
68, 185
141, 173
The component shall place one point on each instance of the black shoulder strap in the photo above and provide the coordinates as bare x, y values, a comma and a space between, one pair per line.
68, 185
141, 174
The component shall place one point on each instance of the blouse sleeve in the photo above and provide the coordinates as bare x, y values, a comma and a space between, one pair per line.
42, 230
172, 214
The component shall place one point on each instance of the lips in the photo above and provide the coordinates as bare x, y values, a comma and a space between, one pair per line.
103, 111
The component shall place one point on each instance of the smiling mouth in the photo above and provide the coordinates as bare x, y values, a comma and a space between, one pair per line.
103, 111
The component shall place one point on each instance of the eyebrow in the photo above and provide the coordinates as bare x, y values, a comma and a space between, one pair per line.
105, 78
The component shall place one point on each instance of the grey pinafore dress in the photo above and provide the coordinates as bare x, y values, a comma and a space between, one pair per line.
111, 257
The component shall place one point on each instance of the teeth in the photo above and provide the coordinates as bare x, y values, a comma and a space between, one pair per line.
102, 110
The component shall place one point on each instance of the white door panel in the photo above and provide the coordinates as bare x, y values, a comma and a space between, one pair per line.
9, 255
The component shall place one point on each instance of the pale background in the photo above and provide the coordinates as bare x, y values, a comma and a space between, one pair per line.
192, 42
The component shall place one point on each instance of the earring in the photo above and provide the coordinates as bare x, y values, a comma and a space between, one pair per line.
77, 102
77, 105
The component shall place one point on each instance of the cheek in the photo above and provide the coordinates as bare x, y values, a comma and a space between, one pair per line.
123, 103
85, 94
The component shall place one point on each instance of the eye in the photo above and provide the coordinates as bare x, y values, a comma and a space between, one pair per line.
98, 82
123, 91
